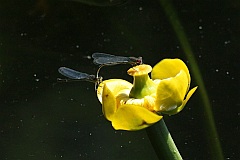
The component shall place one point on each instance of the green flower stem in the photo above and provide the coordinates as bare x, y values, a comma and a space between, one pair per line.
162, 142
142, 86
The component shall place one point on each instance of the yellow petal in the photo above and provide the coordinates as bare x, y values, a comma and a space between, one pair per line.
190, 93
147, 102
177, 110
133, 117
107, 92
169, 68
171, 92
109, 105
115, 85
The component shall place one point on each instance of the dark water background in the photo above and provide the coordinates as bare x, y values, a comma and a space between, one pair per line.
43, 119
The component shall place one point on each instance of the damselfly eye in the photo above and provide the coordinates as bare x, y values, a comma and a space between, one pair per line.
139, 60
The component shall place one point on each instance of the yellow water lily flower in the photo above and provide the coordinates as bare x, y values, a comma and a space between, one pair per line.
141, 104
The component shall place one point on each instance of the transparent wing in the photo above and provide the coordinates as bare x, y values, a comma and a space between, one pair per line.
97, 55
70, 73
108, 59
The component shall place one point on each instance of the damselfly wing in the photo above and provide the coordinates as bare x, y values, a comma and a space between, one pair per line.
78, 76
104, 59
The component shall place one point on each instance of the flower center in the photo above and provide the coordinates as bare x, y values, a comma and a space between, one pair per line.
142, 84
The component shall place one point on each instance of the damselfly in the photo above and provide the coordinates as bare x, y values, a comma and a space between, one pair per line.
78, 76
104, 59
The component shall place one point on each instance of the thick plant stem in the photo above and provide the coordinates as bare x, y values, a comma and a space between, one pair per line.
162, 142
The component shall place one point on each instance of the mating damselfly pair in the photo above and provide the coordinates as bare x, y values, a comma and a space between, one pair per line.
101, 59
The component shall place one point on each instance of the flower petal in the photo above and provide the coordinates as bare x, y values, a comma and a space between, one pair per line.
133, 117
171, 92
115, 85
169, 68
190, 93
107, 92
177, 110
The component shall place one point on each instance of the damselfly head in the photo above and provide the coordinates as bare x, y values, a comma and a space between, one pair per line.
136, 60
139, 61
